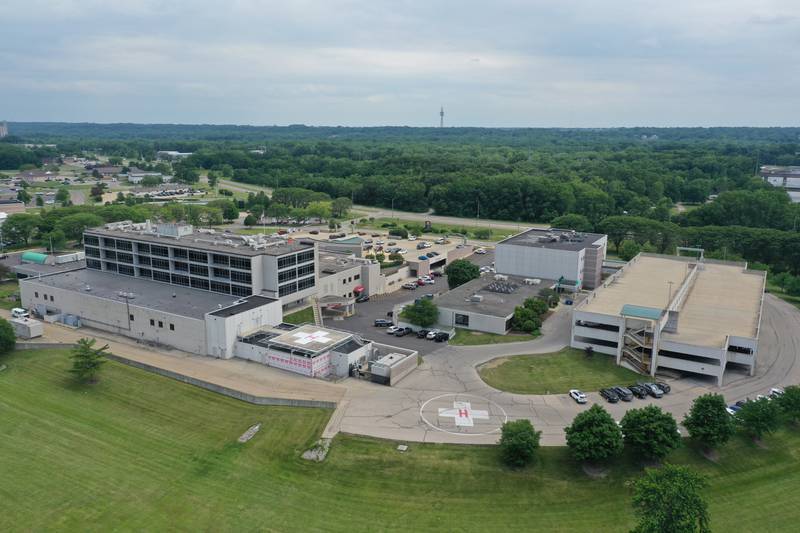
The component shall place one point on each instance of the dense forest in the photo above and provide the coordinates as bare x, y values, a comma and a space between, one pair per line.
624, 181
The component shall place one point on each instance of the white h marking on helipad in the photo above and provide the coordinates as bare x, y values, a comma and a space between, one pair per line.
317, 336
463, 414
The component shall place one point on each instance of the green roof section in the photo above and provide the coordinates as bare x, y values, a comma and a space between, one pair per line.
639, 311
34, 257
349, 240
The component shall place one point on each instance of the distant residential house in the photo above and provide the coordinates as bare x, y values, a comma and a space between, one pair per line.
171, 154
38, 176
11, 206
107, 171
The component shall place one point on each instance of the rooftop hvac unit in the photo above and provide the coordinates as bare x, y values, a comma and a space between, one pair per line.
528, 281
501, 277
476, 298
536, 281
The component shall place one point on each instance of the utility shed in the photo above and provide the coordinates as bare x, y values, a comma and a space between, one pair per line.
27, 328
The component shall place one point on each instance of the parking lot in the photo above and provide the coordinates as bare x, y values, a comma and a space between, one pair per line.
362, 322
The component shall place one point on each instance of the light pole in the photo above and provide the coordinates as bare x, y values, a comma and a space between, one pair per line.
669, 292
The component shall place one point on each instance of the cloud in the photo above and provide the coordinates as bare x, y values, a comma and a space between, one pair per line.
504, 63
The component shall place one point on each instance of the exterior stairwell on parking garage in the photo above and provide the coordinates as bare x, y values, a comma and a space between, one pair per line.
637, 350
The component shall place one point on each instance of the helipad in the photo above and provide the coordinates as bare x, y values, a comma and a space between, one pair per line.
463, 414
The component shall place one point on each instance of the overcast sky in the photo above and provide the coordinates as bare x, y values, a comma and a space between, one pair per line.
381, 62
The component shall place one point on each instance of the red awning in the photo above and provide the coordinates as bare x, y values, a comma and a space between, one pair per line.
359, 288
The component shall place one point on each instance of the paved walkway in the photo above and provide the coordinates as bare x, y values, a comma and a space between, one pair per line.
448, 375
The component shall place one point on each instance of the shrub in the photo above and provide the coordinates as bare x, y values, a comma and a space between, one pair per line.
708, 421
650, 432
518, 442
399, 232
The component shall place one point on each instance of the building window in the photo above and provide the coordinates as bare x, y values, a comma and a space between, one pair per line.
111, 267
222, 273
179, 253
160, 263
242, 277
241, 263
91, 240
152, 322
126, 270
142, 248
238, 290
344, 281
44, 296
124, 258
36, 294
180, 265
198, 283
161, 251
305, 270
462, 320
160, 324
218, 259
306, 256
51, 298
143, 259
305, 283
287, 261
286, 275
289, 288
198, 257
145, 273
109, 243
130, 317
180, 280
94, 264
357, 276
218, 286
110, 254
172, 327
124, 245
161, 276
198, 270
92, 252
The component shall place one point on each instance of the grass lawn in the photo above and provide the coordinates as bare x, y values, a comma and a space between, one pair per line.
300, 317
555, 373
497, 234
777, 291
139, 452
7, 288
258, 230
465, 337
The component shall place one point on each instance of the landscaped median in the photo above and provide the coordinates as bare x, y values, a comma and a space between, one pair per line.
465, 337
137, 451
555, 373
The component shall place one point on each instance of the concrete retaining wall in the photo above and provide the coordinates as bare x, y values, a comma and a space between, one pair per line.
232, 393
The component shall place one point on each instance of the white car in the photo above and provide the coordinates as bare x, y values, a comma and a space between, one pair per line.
432, 334
19, 312
379, 243
440, 241
480, 251
776, 391
391, 330
402, 251
577, 395
412, 237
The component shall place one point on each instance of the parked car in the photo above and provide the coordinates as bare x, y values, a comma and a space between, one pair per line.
609, 395
624, 394
776, 391
402, 332
367, 241
314, 232
412, 237
421, 334
19, 312
362, 299
379, 243
402, 251
437, 273
432, 334
423, 257
428, 296
480, 251
442, 337
730, 411
382, 323
652, 389
440, 240
430, 254
392, 243
577, 395
375, 235
420, 283
663, 386
639, 392
391, 330
410, 286
421, 245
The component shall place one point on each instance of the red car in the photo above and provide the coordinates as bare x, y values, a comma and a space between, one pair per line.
420, 283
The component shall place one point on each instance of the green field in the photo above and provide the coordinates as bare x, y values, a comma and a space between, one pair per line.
464, 337
139, 452
300, 317
7, 289
497, 234
555, 373
777, 291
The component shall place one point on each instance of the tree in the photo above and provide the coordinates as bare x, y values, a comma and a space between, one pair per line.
213, 179
572, 221
594, 435
87, 360
186, 174
461, 271
55, 240
227, 207
758, 417
789, 404
526, 320
19, 227
402, 233
483, 234
74, 225
250, 220
340, 206
670, 499
278, 211
628, 250
650, 432
423, 313
550, 296
708, 422
319, 210
39, 201
62, 195
23, 196
518, 442
8, 338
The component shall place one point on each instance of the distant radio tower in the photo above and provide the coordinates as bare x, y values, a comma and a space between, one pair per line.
441, 117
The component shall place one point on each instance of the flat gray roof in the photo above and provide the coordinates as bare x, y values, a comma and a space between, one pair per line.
211, 242
192, 303
559, 239
330, 263
498, 304
245, 304
34, 269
